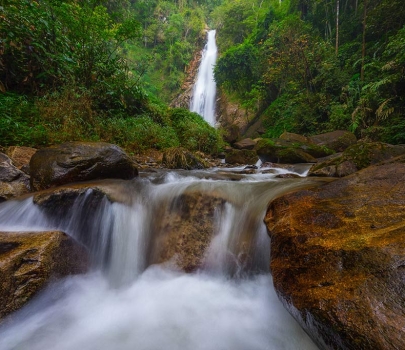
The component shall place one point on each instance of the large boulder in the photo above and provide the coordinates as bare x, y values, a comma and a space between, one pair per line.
285, 151
245, 144
29, 260
356, 157
185, 229
244, 156
13, 182
79, 161
337, 140
338, 258
21, 156
289, 136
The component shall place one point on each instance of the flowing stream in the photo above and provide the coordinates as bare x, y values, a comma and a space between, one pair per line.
203, 100
128, 302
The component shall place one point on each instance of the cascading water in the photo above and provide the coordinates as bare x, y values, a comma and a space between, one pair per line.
203, 100
127, 302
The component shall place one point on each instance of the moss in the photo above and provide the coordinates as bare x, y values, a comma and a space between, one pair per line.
294, 155
359, 154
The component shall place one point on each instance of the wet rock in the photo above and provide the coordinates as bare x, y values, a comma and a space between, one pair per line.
337, 140
30, 260
338, 257
356, 157
13, 182
79, 161
185, 229
287, 176
250, 167
235, 156
21, 156
62, 198
180, 158
245, 144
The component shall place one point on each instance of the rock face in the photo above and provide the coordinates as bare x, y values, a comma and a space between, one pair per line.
338, 258
356, 157
13, 182
337, 140
28, 260
21, 156
79, 161
185, 230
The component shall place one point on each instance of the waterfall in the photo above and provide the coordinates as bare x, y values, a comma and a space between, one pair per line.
203, 100
129, 301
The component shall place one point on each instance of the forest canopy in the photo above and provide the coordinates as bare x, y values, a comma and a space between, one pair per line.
107, 70
311, 66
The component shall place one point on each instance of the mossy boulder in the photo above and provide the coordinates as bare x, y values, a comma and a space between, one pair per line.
285, 151
357, 157
337, 140
79, 161
181, 158
289, 136
244, 156
30, 260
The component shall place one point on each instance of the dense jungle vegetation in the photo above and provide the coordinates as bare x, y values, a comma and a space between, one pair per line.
310, 66
107, 70
100, 70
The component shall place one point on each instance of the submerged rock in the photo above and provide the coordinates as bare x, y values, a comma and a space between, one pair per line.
185, 229
79, 161
13, 182
338, 257
30, 260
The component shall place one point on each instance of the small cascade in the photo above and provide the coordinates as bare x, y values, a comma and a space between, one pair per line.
128, 301
203, 100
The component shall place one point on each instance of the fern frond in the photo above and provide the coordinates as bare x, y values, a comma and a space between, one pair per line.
389, 66
373, 87
383, 111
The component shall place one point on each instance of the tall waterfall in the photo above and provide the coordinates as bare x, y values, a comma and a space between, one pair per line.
203, 100
128, 301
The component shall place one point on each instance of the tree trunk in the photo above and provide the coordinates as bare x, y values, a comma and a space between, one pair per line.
363, 48
337, 28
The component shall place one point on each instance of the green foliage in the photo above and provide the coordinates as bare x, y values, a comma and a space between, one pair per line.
237, 69
194, 133
137, 134
287, 67
19, 122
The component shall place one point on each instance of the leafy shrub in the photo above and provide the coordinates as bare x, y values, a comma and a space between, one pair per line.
194, 132
136, 134
19, 122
